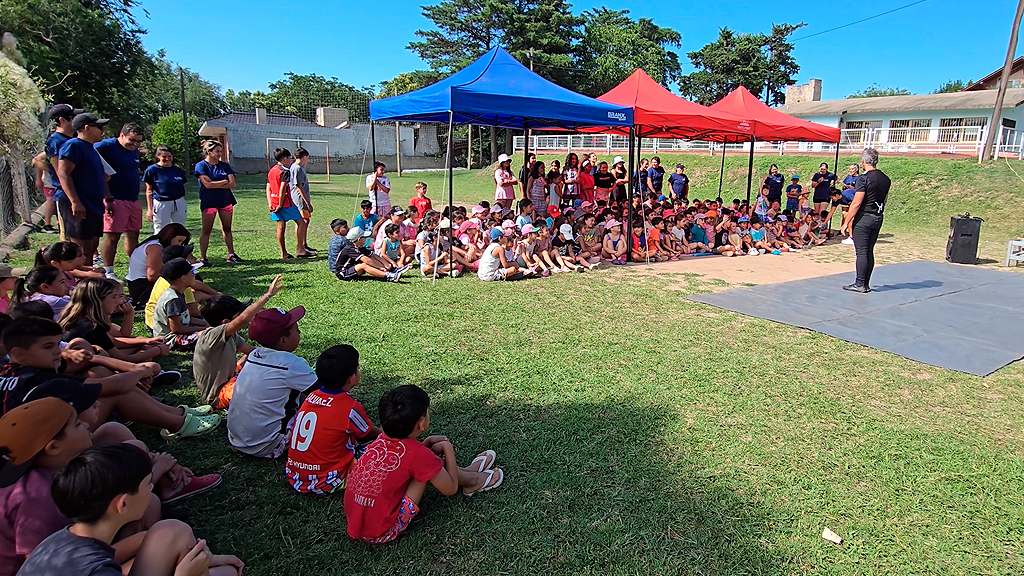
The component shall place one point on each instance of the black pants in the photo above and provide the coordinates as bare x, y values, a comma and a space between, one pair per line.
865, 234
139, 291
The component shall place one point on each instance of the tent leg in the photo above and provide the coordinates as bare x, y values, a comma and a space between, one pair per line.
526, 163
750, 170
721, 172
628, 226
451, 187
373, 143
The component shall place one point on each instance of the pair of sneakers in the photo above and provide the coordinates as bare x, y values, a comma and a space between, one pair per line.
395, 274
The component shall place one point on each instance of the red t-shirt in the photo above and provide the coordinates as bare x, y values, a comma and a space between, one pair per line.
586, 186
422, 205
275, 177
324, 439
378, 482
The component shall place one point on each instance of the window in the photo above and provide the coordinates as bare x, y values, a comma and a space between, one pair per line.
961, 129
856, 132
900, 130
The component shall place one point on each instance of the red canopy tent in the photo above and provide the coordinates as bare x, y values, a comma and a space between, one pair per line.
658, 113
769, 124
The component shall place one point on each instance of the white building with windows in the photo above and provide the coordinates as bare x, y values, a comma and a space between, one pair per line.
951, 123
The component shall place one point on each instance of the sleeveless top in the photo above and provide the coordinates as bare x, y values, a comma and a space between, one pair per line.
137, 261
489, 264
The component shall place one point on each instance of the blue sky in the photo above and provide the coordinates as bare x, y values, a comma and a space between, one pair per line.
246, 44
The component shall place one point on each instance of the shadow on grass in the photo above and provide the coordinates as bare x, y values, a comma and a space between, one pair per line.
590, 488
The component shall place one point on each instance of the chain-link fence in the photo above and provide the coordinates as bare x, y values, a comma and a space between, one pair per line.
16, 199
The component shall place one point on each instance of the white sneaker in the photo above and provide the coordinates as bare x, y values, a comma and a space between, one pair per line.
753, 253
848, 241
528, 272
113, 276
454, 273
595, 265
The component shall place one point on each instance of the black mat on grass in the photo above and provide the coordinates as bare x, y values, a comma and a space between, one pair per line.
958, 317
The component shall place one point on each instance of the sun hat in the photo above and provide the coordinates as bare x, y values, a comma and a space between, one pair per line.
354, 233
617, 160
566, 230
26, 430
269, 325
445, 223
527, 229
503, 158
612, 223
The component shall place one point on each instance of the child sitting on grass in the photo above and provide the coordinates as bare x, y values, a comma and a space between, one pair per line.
33, 345
69, 258
614, 243
101, 490
269, 385
88, 316
388, 481
494, 264
45, 284
391, 249
347, 261
319, 463
215, 363
172, 320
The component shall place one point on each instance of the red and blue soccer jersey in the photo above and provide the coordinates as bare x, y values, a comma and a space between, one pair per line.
324, 440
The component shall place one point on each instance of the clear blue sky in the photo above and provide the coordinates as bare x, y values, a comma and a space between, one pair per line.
245, 44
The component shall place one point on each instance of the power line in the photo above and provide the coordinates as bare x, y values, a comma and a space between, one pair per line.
858, 21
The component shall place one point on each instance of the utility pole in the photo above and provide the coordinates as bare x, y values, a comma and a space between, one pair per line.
995, 126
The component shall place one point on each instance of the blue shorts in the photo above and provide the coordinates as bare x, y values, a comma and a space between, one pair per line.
286, 214
792, 204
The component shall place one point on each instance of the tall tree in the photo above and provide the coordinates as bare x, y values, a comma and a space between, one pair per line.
874, 91
407, 82
541, 31
613, 45
952, 86
756, 61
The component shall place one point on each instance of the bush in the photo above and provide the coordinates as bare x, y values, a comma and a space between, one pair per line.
168, 131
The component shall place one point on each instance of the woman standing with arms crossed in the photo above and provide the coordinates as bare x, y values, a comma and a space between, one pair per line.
774, 182
216, 181
505, 183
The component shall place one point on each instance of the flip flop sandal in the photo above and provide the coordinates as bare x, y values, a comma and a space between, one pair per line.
490, 483
483, 461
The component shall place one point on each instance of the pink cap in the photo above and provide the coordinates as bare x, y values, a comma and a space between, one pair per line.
478, 209
612, 223
508, 224
528, 228
586, 203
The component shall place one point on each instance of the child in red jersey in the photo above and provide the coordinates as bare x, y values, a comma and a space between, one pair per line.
389, 479
330, 426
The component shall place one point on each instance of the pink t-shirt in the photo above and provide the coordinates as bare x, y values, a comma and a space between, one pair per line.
506, 192
27, 517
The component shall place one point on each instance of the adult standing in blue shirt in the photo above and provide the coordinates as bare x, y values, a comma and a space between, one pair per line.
216, 181
165, 191
680, 183
61, 115
822, 182
125, 217
83, 181
655, 176
774, 182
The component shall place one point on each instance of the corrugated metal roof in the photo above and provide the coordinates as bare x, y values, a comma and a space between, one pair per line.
976, 100
249, 118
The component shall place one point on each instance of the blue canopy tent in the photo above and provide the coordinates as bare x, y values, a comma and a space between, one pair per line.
497, 91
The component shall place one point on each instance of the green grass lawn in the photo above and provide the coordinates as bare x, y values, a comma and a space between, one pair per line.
641, 433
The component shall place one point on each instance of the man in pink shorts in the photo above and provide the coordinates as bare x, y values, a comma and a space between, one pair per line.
123, 214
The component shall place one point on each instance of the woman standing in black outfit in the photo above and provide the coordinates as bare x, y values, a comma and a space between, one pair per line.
864, 218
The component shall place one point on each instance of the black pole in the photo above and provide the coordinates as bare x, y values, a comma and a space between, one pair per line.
750, 169
451, 131
184, 121
628, 226
721, 172
526, 164
835, 165
373, 143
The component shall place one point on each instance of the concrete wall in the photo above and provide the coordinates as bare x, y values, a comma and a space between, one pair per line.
810, 92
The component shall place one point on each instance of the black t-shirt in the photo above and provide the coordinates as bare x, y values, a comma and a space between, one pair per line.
722, 238
16, 381
620, 173
605, 180
64, 553
91, 332
875, 186
524, 175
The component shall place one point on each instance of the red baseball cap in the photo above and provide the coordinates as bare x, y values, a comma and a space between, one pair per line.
269, 325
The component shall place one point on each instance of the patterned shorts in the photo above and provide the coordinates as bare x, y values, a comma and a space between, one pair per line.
183, 342
407, 510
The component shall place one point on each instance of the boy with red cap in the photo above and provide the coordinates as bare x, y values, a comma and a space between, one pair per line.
268, 387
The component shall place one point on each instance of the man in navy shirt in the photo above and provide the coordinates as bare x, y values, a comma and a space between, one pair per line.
122, 153
61, 115
84, 184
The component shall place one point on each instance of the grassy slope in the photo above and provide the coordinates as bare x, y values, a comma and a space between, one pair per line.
642, 433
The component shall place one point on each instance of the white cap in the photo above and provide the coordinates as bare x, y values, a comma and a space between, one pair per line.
503, 158
566, 231
617, 160
446, 223
354, 233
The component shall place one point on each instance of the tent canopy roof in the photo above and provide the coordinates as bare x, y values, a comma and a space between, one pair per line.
497, 90
770, 124
661, 114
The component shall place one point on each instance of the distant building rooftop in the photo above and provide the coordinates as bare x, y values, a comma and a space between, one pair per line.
974, 100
